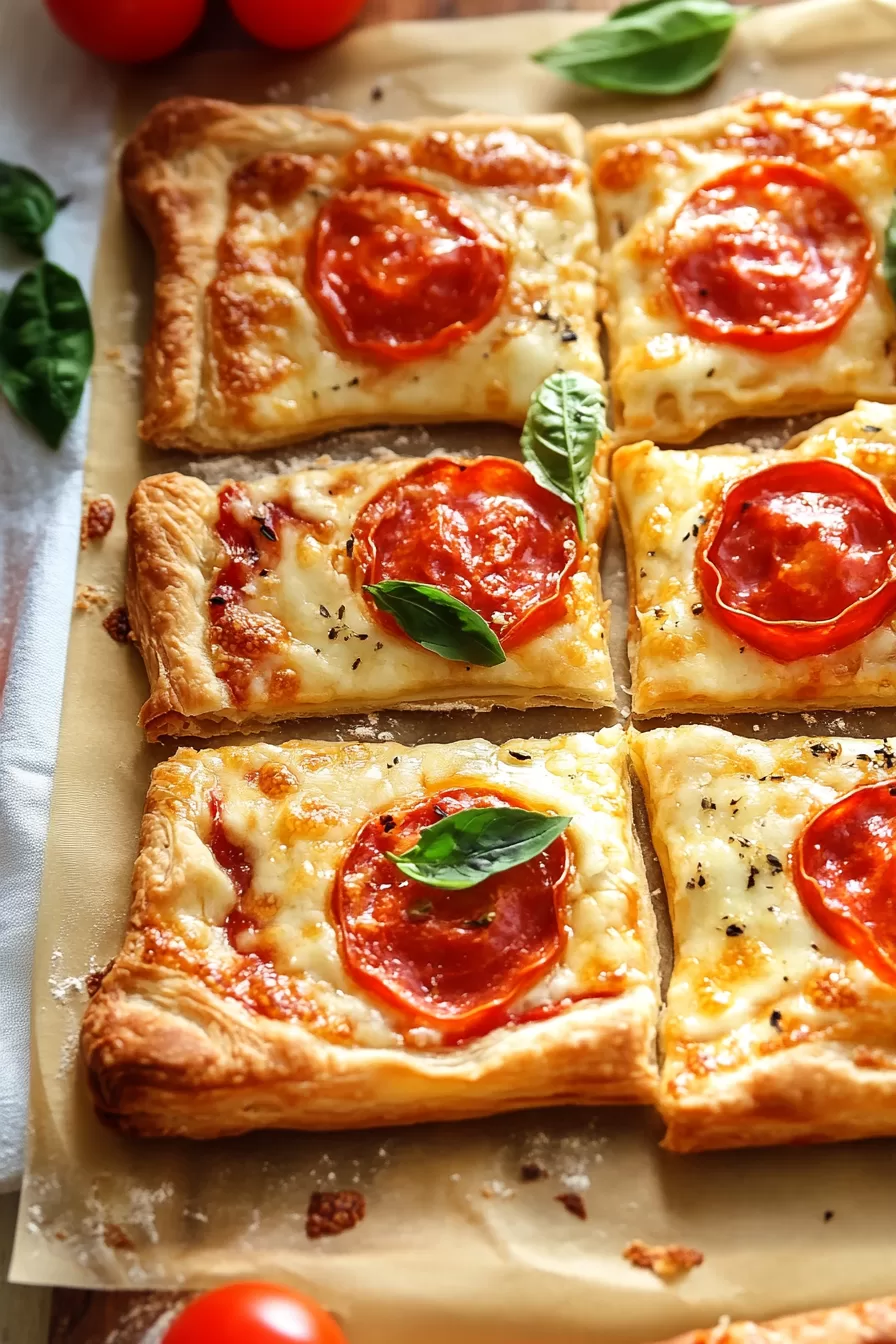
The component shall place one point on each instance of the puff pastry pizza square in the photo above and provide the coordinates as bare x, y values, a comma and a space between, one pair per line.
315, 272
280, 971
872, 1322
763, 580
742, 256
249, 603
780, 1021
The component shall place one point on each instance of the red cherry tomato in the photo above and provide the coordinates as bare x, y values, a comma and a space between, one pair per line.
254, 1313
295, 24
127, 30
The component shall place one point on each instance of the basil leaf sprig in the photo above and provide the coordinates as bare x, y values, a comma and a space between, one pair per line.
567, 415
46, 349
28, 206
889, 261
651, 47
464, 849
438, 622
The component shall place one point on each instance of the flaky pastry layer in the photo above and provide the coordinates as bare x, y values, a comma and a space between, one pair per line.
669, 385
239, 356
305, 641
683, 660
194, 1032
772, 1032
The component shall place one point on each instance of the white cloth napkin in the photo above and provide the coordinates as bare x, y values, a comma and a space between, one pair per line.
55, 116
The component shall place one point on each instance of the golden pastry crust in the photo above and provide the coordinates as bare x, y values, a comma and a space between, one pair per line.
872, 1322
188, 1036
671, 386
238, 357
772, 1032
314, 590
683, 661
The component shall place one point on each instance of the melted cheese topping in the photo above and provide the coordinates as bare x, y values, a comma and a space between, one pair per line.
295, 811
753, 973
670, 385
682, 659
325, 648
271, 368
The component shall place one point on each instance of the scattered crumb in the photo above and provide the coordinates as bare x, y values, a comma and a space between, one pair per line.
116, 1238
94, 979
96, 519
117, 625
577, 1180
333, 1211
496, 1190
810, 718
665, 1261
88, 596
127, 358
278, 93
573, 1204
755, 727
533, 1171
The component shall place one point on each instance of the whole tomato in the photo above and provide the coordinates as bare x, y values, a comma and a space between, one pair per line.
295, 24
253, 1313
127, 30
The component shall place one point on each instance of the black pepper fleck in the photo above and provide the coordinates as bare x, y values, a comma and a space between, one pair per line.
734, 930
356, 664
775, 1019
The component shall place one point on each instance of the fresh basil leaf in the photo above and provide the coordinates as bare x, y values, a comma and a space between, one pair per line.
27, 207
636, 7
667, 48
438, 622
46, 349
464, 849
566, 416
889, 262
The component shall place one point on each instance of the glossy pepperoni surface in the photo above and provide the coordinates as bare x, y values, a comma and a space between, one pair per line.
450, 960
769, 256
844, 866
486, 533
799, 558
400, 270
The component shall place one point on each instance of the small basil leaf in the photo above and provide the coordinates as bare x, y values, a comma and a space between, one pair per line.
467, 847
27, 207
566, 416
889, 262
636, 7
667, 48
438, 622
46, 349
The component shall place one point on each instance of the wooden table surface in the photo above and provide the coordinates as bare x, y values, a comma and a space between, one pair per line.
98, 1318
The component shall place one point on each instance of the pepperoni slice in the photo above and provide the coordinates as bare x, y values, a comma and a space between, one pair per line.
487, 533
844, 867
799, 558
451, 960
399, 270
769, 255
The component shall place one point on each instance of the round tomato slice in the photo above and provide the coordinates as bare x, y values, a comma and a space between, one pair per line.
451, 960
799, 558
769, 255
399, 270
844, 867
487, 533
253, 1313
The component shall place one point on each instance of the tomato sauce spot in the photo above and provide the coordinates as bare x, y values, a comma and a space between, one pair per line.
486, 532
400, 271
768, 256
799, 558
844, 867
242, 639
451, 960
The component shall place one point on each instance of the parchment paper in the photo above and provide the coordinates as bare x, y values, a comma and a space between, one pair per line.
453, 1244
